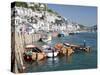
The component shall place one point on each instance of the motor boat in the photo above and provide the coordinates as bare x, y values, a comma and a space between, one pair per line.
50, 52
49, 38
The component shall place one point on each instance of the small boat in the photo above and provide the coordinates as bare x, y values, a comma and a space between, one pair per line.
32, 52
49, 38
62, 34
58, 46
64, 50
50, 52
74, 33
67, 44
71, 33
67, 51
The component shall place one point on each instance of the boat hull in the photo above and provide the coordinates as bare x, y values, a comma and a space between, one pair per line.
51, 54
38, 56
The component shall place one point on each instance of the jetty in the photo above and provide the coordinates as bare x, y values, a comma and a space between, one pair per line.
68, 49
78, 47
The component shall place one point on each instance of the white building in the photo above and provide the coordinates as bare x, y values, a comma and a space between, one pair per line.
30, 4
50, 22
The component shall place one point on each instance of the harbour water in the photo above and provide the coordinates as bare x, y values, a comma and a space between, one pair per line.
78, 60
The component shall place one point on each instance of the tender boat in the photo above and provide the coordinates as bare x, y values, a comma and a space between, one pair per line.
32, 52
49, 38
58, 46
61, 34
50, 52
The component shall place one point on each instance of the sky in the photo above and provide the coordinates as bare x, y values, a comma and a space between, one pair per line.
85, 15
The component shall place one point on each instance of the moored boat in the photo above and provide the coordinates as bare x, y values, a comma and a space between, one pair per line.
63, 49
61, 34
67, 51
49, 38
50, 52
32, 52
58, 46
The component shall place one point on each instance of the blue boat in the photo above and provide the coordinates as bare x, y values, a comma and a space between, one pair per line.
62, 34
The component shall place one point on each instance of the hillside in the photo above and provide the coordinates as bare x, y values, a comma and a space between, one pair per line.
37, 17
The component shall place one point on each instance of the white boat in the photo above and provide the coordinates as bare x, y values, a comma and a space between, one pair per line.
50, 52
62, 34
49, 38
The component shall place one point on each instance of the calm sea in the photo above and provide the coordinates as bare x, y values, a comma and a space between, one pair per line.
78, 60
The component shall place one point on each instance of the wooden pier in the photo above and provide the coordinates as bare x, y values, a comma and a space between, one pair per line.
78, 47
68, 49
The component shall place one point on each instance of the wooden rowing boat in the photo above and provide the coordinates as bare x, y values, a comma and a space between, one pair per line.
34, 53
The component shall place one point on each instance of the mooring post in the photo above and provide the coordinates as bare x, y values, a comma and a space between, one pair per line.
36, 56
53, 53
84, 43
88, 49
66, 52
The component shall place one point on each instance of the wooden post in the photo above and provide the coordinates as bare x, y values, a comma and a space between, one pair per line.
53, 61
32, 38
67, 52
53, 53
84, 44
87, 49
36, 56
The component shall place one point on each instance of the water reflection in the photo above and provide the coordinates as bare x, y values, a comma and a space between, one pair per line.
52, 61
69, 59
39, 63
